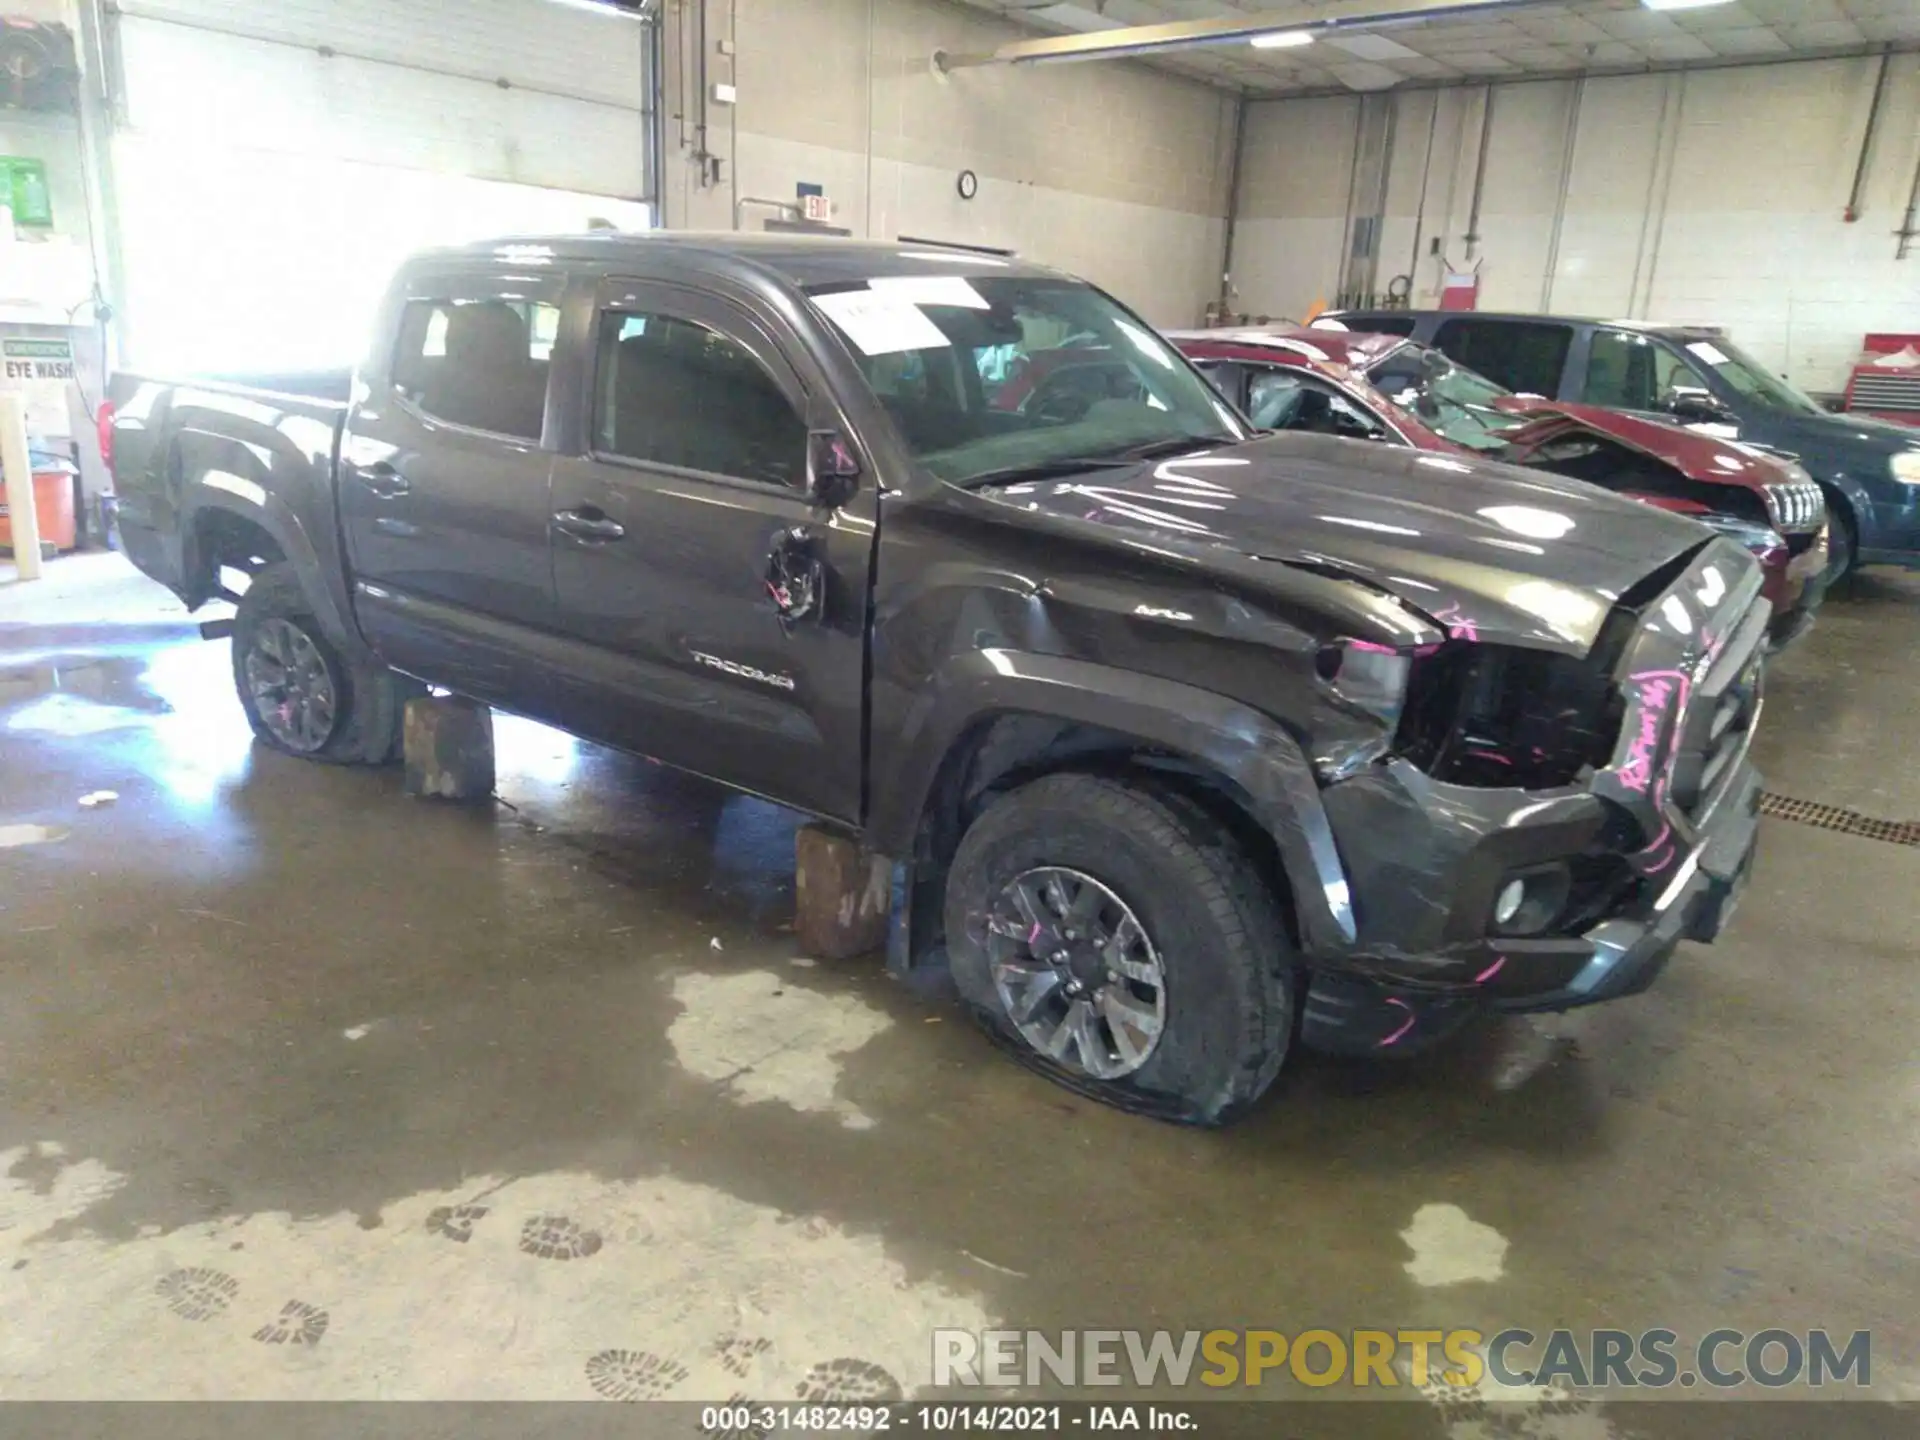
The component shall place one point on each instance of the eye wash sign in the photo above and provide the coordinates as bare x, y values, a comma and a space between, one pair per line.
37, 359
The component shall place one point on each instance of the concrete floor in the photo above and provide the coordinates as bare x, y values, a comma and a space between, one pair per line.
536, 1102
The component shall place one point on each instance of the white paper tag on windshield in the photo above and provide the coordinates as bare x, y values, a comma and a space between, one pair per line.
880, 323
931, 290
1709, 352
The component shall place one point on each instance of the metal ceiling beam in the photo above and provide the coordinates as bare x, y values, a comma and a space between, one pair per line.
1193, 34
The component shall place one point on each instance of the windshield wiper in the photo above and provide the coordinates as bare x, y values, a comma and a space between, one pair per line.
1079, 464
1160, 449
1047, 470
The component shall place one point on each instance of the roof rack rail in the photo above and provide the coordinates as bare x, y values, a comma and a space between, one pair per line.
956, 245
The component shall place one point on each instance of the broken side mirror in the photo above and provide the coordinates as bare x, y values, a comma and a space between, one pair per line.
833, 471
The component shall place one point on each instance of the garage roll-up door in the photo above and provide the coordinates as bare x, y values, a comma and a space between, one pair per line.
274, 161
534, 92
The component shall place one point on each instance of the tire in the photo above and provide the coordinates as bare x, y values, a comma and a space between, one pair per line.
359, 723
1843, 544
1210, 927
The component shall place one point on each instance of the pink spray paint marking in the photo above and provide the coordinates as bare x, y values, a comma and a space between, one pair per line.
1371, 648
1404, 1028
1657, 691
1491, 970
1458, 626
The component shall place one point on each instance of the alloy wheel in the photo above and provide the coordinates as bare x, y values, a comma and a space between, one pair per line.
292, 686
1076, 972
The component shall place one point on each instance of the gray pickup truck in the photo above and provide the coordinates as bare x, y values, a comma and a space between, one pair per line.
1185, 741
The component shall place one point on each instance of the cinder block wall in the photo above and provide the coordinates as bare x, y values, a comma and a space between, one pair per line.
1109, 169
1706, 195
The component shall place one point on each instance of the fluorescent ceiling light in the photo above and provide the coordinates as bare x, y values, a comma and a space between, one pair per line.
1680, 4
1281, 39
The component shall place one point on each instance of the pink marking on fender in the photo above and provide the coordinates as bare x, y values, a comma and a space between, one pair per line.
1458, 626
1396, 1035
1657, 840
1425, 650
1658, 690
1491, 970
1656, 869
1492, 755
1033, 934
1371, 648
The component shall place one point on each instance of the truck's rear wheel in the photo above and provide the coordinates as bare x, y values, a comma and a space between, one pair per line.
301, 695
1116, 938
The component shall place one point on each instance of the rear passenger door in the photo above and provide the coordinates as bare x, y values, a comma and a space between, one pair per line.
1527, 356
664, 528
443, 486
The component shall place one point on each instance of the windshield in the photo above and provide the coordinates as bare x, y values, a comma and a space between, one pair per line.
1740, 371
990, 376
1451, 400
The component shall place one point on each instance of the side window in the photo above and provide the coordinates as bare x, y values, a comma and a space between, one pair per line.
1631, 372
1620, 371
1525, 356
1293, 400
478, 363
675, 392
1226, 377
1377, 324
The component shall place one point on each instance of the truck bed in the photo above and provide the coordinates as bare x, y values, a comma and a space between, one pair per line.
227, 471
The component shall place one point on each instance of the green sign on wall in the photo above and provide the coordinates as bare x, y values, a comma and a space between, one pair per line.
25, 189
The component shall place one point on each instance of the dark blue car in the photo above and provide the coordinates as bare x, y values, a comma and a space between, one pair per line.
1695, 375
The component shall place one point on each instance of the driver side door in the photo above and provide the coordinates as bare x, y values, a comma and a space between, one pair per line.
665, 531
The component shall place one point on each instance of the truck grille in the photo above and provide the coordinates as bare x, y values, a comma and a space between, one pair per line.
1884, 392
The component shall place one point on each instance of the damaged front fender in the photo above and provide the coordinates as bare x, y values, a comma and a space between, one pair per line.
1231, 740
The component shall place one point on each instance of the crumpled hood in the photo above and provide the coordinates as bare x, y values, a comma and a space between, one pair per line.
1488, 551
1699, 457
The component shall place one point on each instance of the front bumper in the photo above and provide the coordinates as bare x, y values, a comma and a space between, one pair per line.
1670, 826
1795, 586
1362, 1011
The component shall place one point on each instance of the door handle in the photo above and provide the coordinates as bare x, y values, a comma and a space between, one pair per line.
384, 482
589, 523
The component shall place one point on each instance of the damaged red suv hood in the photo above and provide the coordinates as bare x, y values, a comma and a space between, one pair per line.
1485, 550
1704, 458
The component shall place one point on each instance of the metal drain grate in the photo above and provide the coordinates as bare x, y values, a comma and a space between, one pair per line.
1833, 817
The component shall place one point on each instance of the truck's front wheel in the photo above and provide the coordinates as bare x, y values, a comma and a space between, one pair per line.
301, 695
1118, 939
